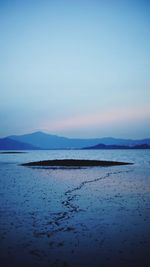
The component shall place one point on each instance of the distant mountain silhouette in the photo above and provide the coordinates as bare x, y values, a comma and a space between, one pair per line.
9, 144
102, 146
48, 141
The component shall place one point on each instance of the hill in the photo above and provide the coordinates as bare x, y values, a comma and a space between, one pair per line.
102, 146
9, 144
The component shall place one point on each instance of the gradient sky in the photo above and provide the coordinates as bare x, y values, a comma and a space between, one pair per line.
75, 68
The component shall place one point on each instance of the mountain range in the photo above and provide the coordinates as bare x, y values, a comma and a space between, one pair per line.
102, 146
41, 140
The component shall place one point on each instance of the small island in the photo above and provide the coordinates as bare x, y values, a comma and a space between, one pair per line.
12, 152
75, 163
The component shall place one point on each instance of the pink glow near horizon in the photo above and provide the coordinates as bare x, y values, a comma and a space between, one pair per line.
99, 119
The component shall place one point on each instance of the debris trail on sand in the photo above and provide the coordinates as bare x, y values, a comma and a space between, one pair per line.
60, 218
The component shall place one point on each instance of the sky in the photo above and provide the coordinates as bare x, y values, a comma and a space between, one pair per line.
75, 68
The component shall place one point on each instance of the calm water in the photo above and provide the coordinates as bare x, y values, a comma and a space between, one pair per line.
82, 217
139, 157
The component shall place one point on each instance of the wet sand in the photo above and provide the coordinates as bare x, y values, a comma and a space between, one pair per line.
93, 217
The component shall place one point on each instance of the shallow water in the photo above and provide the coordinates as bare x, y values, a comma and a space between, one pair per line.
75, 217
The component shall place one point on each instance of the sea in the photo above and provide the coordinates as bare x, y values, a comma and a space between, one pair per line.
76, 217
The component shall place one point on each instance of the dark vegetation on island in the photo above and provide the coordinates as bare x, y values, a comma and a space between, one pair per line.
75, 163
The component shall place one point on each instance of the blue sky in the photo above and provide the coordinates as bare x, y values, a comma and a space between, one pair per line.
75, 68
